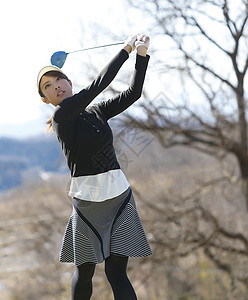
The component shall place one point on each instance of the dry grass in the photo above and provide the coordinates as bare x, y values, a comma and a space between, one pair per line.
34, 216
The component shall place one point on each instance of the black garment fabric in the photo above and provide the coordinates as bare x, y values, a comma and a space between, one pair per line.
81, 284
116, 272
83, 130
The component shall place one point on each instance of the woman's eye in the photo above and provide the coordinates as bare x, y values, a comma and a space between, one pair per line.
47, 86
58, 78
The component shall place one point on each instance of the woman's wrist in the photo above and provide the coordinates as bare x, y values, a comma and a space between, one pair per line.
128, 48
142, 50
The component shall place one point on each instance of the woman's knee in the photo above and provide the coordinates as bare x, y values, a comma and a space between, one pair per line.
85, 272
81, 284
115, 267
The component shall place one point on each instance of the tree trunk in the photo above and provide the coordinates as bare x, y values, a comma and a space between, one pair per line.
243, 164
245, 190
242, 158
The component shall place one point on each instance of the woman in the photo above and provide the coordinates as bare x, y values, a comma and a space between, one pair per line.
104, 225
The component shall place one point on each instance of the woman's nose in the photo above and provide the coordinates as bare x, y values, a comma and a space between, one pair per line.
57, 87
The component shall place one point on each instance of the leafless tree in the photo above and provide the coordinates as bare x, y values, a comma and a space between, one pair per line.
209, 56
202, 62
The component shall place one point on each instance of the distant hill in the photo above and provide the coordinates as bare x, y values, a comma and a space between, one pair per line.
19, 156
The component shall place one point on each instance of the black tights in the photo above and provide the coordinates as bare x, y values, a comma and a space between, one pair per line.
116, 272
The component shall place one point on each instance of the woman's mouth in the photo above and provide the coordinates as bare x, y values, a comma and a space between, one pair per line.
60, 93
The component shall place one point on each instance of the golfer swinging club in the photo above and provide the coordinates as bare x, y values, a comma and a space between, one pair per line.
104, 225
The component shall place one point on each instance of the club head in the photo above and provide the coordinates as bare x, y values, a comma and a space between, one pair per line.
58, 58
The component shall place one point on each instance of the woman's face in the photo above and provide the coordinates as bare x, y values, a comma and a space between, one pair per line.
55, 89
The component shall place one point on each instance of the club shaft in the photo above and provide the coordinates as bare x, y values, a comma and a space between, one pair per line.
108, 45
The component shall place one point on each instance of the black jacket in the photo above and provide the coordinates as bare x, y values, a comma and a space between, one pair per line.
83, 130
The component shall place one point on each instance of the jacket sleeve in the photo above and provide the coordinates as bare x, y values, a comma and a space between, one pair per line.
71, 107
118, 104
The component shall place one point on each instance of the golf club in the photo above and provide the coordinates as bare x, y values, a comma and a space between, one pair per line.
58, 58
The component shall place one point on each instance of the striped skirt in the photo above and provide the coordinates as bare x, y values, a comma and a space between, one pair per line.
97, 229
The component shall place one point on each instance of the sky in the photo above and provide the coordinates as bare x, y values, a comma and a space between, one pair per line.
31, 31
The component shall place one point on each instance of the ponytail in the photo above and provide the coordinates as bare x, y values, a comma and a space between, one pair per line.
49, 129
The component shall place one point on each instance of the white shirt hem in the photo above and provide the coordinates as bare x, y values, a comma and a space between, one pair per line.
100, 187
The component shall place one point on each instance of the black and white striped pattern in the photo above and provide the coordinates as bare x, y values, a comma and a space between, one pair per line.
128, 236
120, 232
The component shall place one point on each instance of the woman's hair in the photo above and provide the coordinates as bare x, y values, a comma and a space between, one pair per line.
52, 74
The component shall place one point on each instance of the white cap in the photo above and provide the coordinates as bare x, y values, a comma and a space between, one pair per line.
44, 70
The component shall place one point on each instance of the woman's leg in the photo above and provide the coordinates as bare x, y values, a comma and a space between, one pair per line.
81, 284
116, 272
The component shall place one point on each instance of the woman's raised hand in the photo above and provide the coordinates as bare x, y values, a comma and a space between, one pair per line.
142, 44
139, 41
131, 41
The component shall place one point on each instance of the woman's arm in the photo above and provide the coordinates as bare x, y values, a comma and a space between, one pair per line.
71, 107
118, 104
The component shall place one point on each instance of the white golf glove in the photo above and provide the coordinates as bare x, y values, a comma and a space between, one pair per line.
131, 41
142, 40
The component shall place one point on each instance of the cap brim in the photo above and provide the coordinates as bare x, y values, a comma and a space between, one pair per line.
45, 70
